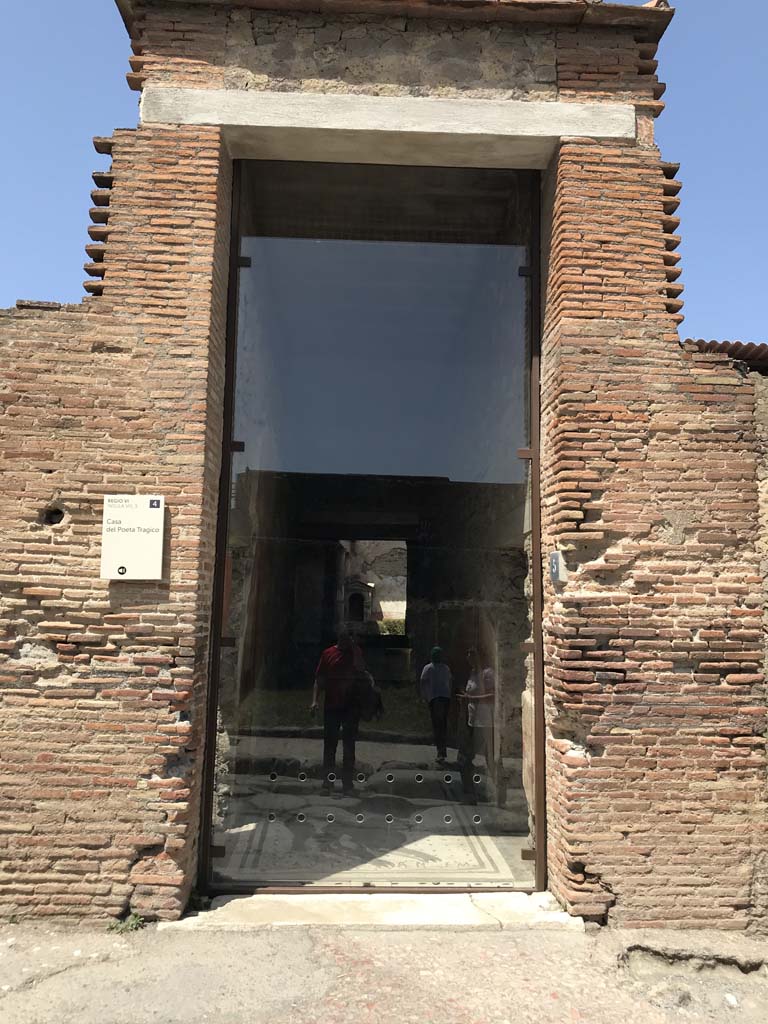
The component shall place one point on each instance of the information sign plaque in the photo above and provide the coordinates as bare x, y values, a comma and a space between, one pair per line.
132, 533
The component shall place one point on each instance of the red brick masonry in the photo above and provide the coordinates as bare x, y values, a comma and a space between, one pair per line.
103, 684
654, 648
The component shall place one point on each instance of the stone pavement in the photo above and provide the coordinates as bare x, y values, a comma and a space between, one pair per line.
476, 974
408, 821
385, 911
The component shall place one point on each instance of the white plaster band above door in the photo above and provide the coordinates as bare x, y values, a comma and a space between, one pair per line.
388, 129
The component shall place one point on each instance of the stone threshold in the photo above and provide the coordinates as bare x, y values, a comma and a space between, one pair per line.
514, 911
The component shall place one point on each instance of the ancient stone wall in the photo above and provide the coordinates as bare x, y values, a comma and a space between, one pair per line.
385, 564
655, 695
232, 48
103, 684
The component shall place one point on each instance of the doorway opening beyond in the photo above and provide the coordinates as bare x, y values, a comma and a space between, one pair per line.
376, 704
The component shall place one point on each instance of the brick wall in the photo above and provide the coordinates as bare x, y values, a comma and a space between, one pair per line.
103, 685
655, 700
759, 908
655, 694
605, 64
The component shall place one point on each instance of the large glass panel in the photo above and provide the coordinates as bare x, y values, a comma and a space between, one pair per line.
374, 661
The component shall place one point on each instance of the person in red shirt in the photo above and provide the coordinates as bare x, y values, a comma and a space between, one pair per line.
338, 677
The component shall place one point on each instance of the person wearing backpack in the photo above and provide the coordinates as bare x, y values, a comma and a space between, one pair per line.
348, 695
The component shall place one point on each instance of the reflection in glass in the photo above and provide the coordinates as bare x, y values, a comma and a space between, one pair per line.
370, 719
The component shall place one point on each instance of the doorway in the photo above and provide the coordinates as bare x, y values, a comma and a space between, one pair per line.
375, 672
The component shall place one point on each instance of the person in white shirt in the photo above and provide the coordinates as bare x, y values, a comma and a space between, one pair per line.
479, 696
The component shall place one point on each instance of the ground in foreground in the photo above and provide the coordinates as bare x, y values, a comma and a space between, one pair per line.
330, 976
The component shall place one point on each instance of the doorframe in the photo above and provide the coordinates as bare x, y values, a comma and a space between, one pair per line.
535, 299
205, 830
229, 445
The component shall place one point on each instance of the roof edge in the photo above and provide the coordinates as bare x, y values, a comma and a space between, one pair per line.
127, 9
650, 20
754, 354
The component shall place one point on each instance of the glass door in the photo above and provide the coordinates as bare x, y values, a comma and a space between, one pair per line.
376, 702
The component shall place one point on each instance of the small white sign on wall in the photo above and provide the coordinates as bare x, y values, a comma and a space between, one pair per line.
132, 533
558, 570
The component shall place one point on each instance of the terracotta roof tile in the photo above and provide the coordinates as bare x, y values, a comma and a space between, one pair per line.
755, 354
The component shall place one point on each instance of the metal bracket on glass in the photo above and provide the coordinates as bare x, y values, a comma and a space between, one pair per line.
244, 261
237, 446
526, 854
525, 453
527, 646
218, 851
525, 272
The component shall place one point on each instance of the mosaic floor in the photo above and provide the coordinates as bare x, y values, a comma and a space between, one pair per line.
406, 824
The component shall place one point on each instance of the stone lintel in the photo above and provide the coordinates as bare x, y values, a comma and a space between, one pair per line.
388, 129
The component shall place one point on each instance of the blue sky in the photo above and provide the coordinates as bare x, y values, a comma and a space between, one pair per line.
62, 67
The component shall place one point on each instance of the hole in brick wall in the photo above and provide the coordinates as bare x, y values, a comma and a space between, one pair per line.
593, 511
643, 587
149, 852
102, 346
571, 727
177, 765
52, 515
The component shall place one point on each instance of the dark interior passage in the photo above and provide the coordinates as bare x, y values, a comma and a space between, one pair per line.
375, 672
